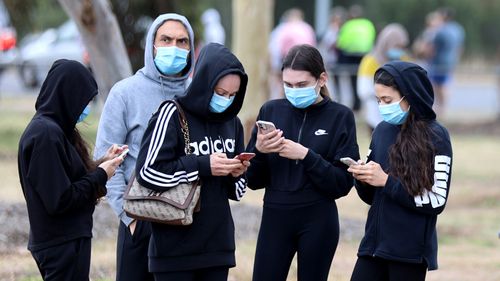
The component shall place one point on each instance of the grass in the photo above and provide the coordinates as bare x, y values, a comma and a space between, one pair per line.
469, 248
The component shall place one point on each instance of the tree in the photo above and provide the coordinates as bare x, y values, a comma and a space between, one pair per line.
103, 40
250, 40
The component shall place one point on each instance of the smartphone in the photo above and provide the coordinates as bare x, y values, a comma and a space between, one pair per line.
124, 153
245, 156
348, 161
266, 126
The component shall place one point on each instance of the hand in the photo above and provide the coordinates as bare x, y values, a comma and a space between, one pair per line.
132, 226
293, 150
370, 173
241, 169
110, 166
113, 151
270, 142
220, 165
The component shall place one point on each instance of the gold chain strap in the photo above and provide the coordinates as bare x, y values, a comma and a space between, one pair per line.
185, 133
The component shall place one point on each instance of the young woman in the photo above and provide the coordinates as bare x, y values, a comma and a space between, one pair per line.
60, 181
204, 250
298, 165
406, 178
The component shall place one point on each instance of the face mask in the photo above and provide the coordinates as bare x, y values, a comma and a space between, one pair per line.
84, 114
220, 103
393, 113
394, 53
170, 60
301, 97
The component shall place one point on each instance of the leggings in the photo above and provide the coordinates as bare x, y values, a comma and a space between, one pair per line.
205, 274
378, 269
311, 231
69, 261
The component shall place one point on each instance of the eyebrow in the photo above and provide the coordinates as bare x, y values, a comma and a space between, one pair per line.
164, 36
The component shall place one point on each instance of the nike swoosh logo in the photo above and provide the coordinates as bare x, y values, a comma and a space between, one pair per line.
320, 132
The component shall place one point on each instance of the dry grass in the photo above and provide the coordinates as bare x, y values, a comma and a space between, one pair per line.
469, 246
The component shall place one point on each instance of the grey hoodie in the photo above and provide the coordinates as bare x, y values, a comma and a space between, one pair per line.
130, 105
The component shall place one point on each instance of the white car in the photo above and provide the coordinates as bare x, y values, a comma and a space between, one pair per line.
38, 55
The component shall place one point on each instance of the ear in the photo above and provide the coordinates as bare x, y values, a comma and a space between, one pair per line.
323, 78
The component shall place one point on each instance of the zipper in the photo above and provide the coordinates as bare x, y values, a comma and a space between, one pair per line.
300, 133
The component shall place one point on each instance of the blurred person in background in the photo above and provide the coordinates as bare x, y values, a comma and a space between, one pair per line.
292, 31
405, 180
298, 165
447, 49
355, 39
213, 31
391, 45
60, 182
328, 43
422, 47
168, 62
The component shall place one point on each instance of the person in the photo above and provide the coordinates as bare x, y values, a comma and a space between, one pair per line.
204, 250
422, 47
291, 31
391, 45
168, 63
60, 182
298, 165
406, 179
355, 39
213, 31
447, 48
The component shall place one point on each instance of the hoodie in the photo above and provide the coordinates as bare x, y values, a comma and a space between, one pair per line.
162, 164
402, 227
59, 191
129, 106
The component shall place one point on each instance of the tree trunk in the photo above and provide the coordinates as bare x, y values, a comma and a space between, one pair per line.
103, 41
252, 23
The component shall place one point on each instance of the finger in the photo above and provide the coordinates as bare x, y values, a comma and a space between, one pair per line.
276, 144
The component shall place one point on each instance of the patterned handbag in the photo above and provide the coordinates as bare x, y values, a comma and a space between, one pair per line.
174, 206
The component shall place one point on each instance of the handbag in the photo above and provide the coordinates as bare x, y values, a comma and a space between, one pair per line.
174, 206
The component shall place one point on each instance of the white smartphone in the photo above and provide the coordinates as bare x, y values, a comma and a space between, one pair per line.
266, 126
348, 161
124, 153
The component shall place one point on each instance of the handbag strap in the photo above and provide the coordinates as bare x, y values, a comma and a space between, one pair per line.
184, 127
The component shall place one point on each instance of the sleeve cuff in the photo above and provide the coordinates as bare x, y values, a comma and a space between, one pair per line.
389, 185
204, 165
101, 176
310, 159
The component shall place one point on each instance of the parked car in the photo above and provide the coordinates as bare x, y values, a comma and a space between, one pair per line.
37, 55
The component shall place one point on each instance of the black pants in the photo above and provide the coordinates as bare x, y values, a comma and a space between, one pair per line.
66, 262
377, 269
351, 64
310, 231
206, 274
132, 253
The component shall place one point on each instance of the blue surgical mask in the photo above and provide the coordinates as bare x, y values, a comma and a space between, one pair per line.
170, 60
301, 97
393, 113
84, 114
220, 103
395, 53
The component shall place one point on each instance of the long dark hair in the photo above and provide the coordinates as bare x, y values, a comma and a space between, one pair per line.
411, 156
83, 149
307, 58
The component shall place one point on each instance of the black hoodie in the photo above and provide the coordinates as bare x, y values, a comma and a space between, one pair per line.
399, 226
162, 164
59, 192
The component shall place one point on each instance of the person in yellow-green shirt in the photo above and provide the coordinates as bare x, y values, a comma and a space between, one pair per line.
355, 39
391, 44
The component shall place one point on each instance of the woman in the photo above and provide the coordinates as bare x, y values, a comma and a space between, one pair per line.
298, 165
204, 250
406, 179
391, 44
60, 182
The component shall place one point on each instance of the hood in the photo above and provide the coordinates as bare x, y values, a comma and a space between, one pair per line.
415, 86
67, 90
214, 62
393, 35
149, 68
